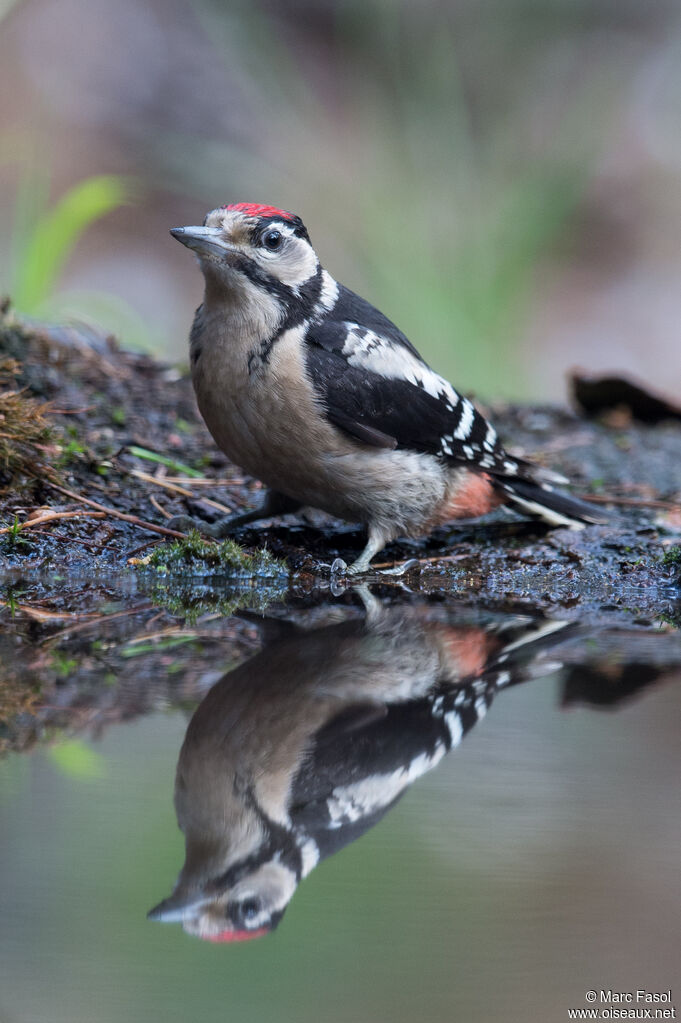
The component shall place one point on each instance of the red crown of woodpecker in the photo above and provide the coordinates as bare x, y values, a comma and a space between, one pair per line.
254, 209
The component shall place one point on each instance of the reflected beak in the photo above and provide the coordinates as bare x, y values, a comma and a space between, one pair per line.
205, 241
175, 909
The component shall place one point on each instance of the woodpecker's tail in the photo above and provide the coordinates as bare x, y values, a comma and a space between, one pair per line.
541, 500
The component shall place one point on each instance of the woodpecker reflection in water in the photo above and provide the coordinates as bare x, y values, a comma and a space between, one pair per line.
304, 747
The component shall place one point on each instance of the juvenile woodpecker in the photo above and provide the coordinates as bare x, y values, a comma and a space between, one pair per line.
309, 388
304, 747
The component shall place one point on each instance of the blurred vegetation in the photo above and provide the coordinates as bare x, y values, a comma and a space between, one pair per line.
6, 6
443, 212
440, 154
77, 759
44, 238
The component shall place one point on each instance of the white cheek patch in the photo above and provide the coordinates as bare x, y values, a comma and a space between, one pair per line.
273, 883
297, 266
295, 263
365, 349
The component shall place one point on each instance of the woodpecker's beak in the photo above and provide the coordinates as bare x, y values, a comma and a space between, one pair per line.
205, 241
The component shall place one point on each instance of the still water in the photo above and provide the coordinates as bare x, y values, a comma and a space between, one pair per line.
413, 810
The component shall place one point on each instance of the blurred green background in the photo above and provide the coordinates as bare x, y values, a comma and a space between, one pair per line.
501, 178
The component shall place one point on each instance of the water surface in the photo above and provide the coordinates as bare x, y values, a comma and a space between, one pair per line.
491, 801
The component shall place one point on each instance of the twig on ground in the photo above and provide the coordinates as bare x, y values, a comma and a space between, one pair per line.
217, 505
134, 520
66, 539
51, 516
161, 481
159, 508
205, 481
142, 547
168, 484
423, 561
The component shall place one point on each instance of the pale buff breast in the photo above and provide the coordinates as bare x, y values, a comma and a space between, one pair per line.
269, 423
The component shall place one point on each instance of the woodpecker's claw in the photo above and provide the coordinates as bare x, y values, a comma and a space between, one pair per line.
398, 570
361, 567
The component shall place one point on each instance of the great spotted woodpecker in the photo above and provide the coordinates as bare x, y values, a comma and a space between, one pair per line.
304, 747
309, 388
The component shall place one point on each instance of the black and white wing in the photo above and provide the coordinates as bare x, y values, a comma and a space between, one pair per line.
348, 782
374, 385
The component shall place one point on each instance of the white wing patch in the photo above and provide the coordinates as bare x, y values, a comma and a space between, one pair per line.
466, 421
351, 802
455, 727
490, 439
369, 350
365, 349
309, 855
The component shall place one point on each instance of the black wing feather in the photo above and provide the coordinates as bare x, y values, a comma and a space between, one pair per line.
392, 411
352, 308
374, 386
397, 413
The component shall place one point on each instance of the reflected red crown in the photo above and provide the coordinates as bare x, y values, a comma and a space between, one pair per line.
236, 935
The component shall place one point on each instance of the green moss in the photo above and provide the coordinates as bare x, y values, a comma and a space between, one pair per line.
196, 556
672, 557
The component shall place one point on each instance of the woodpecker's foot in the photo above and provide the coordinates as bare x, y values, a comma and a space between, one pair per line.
376, 541
217, 530
274, 504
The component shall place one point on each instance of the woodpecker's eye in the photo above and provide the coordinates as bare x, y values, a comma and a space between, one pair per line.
244, 913
272, 240
250, 908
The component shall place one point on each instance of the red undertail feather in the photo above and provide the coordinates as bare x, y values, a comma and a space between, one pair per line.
254, 209
474, 496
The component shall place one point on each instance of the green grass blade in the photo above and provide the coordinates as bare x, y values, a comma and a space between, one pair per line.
57, 232
170, 463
